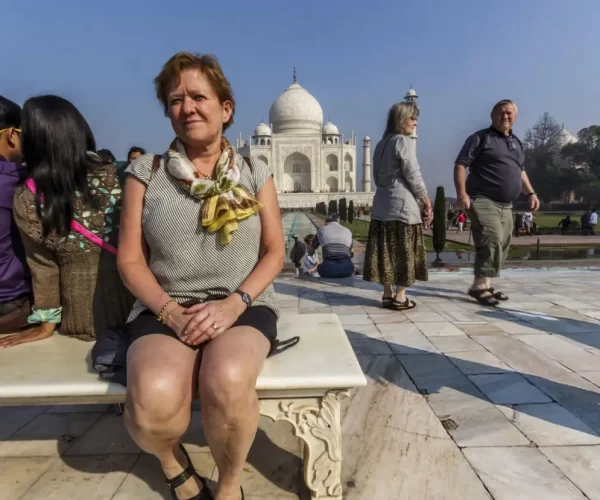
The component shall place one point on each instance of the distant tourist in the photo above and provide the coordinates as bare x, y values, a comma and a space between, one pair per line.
395, 253
450, 219
75, 279
336, 241
310, 262
107, 156
565, 224
200, 246
461, 218
495, 159
528, 223
15, 284
585, 222
297, 254
593, 222
134, 153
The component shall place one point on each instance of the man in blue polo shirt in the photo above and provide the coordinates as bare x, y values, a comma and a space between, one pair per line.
15, 286
496, 163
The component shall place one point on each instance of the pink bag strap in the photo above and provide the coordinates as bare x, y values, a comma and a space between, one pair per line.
78, 228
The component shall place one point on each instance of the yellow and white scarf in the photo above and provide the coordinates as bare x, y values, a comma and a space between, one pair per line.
224, 201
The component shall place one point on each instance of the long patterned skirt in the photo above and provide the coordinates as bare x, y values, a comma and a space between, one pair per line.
395, 254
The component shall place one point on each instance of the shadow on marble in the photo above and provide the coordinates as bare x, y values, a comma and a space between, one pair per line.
433, 383
78, 441
540, 322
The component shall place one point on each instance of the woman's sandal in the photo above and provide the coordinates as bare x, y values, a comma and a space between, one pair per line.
387, 302
483, 296
190, 471
497, 295
403, 306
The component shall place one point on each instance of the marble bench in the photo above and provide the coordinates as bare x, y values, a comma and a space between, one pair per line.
303, 386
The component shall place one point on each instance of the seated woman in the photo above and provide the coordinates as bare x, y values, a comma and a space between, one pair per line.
200, 246
75, 281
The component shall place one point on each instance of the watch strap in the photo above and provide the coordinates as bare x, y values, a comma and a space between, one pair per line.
245, 297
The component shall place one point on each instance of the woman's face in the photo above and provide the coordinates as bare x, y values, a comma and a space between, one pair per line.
194, 109
409, 126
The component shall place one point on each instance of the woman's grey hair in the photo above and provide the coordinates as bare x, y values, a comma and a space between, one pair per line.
398, 114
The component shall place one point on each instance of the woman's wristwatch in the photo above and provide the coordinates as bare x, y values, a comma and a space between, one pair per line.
245, 297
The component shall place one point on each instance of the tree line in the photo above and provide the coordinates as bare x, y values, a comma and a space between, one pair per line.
557, 169
344, 210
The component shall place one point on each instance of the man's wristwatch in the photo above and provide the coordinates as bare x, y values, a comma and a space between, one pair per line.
245, 297
532, 194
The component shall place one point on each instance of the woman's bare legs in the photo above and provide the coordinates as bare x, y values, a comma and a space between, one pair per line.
161, 376
231, 364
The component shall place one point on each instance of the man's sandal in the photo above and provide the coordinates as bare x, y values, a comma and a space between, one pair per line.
483, 296
190, 471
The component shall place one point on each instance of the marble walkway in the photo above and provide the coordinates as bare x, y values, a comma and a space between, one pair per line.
462, 402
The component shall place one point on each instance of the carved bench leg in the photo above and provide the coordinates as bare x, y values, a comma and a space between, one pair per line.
317, 422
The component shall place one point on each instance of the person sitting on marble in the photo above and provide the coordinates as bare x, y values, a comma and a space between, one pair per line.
75, 279
206, 316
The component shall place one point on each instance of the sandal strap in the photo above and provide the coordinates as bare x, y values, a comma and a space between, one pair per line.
180, 479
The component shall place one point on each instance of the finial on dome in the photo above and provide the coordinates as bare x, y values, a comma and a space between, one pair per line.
294, 74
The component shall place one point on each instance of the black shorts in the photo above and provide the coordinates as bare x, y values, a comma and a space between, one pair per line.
260, 317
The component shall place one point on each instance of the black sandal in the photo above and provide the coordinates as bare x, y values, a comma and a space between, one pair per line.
483, 296
497, 295
190, 471
387, 302
403, 306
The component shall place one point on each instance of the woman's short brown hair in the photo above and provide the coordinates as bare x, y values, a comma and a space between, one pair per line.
210, 68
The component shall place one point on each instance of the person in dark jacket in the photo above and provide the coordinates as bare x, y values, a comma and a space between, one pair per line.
15, 283
297, 254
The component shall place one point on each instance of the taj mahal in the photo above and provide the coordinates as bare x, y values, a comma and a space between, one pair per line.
311, 161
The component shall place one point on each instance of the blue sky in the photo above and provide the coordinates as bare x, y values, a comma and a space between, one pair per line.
356, 58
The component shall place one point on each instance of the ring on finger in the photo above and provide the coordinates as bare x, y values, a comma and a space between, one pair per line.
215, 327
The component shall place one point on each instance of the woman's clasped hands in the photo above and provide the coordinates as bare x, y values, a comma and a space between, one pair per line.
203, 322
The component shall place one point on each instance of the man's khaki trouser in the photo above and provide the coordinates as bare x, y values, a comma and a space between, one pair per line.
492, 226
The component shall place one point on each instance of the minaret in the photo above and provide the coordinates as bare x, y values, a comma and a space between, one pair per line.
367, 164
411, 96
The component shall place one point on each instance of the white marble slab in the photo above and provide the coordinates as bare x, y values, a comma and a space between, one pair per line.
550, 425
392, 442
435, 329
476, 362
455, 343
59, 366
570, 390
82, 478
581, 464
563, 351
508, 389
468, 416
520, 473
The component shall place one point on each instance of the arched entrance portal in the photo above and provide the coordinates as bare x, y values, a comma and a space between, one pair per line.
296, 173
332, 184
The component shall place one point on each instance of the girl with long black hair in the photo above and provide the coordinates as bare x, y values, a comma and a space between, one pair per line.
68, 215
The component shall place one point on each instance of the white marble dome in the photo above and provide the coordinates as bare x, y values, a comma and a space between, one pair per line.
565, 137
411, 92
330, 129
262, 129
296, 111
